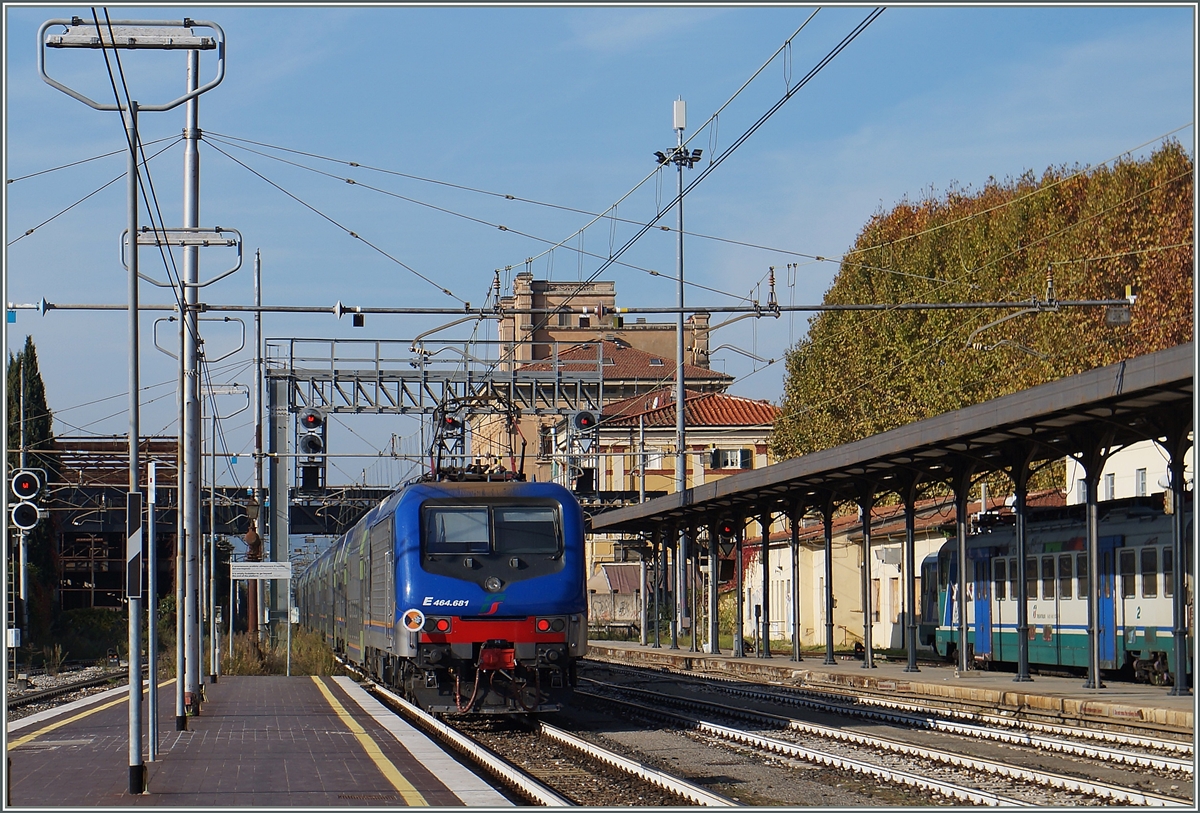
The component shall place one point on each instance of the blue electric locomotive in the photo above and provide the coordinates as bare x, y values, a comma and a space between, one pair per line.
1136, 584
467, 597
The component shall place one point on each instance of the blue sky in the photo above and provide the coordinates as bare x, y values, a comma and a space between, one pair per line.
559, 105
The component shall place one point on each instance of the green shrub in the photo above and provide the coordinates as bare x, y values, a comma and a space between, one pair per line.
88, 633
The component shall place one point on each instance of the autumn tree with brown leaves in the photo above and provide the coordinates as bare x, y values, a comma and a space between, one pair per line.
1091, 232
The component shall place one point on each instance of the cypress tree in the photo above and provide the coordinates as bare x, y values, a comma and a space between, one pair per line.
39, 447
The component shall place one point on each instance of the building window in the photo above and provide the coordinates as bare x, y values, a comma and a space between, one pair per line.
1110, 486
731, 459
1139, 483
655, 459
875, 599
1082, 488
564, 319
585, 321
894, 599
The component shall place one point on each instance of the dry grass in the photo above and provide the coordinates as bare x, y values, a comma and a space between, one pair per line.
309, 656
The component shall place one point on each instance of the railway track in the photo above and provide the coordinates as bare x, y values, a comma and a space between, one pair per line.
545, 765
953, 774
23, 701
1132, 745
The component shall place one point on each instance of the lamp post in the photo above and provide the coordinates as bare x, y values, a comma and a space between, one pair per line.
680, 156
114, 35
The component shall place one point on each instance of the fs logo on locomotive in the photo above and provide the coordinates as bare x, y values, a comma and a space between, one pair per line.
414, 620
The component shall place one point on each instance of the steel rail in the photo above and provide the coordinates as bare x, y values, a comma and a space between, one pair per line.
1099, 789
27, 698
1006, 735
948, 789
674, 784
851, 704
494, 764
1175, 746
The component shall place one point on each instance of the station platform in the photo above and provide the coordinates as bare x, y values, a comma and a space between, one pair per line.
1045, 697
258, 742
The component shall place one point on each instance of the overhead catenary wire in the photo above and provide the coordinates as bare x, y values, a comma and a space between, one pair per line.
346, 229
706, 171
169, 266
88, 160
94, 192
480, 221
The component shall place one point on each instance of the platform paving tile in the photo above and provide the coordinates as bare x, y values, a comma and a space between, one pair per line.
259, 741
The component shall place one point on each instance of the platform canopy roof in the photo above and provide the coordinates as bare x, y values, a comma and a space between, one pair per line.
1142, 398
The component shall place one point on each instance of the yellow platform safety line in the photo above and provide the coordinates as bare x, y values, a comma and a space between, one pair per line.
410, 794
47, 729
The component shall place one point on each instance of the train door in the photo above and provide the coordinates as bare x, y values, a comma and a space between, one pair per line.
1106, 609
983, 605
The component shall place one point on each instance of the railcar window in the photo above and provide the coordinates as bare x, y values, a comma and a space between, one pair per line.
1031, 578
527, 530
929, 602
1149, 572
998, 570
1168, 571
1013, 576
456, 531
1047, 577
1081, 565
1128, 576
1065, 568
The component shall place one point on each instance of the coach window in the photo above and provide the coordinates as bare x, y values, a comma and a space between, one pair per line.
1031, 578
1168, 572
456, 531
1013, 575
1128, 576
1149, 572
1065, 573
1047, 577
998, 572
1081, 574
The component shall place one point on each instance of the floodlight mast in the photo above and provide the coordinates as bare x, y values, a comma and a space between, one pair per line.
680, 156
131, 34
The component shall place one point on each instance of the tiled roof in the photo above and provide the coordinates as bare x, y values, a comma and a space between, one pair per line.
617, 578
625, 363
657, 409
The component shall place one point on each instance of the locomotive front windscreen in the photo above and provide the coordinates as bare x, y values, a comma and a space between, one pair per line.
457, 530
526, 530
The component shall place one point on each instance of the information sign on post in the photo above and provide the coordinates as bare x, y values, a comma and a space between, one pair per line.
260, 570
266, 570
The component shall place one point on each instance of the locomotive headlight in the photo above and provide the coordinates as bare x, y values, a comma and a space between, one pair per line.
492, 584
